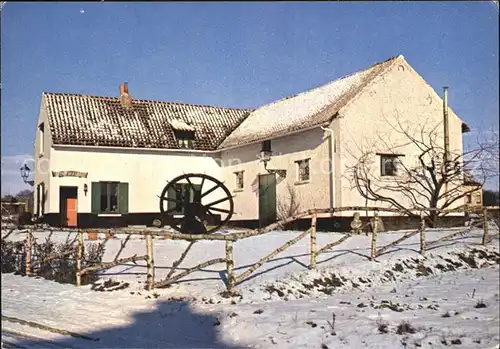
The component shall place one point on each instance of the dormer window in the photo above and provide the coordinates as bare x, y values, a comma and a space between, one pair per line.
184, 133
185, 139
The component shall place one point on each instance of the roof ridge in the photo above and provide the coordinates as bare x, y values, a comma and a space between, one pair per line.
377, 70
349, 89
333, 81
144, 100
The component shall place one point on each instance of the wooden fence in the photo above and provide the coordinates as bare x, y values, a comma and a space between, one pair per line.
232, 279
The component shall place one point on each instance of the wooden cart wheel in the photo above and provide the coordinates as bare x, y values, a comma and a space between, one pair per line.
187, 196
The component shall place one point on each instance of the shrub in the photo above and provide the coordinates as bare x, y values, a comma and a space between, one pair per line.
405, 327
480, 304
12, 257
61, 269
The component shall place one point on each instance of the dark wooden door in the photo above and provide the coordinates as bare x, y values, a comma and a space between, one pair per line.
267, 199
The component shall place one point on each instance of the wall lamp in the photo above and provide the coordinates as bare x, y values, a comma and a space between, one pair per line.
25, 173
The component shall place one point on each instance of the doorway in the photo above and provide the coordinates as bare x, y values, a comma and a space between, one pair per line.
267, 199
68, 206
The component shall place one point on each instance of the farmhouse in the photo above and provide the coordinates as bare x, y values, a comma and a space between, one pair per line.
104, 161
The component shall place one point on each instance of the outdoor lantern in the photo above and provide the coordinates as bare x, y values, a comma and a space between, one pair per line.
85, 188
25, 173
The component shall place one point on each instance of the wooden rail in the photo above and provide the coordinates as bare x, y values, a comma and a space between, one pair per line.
231, 238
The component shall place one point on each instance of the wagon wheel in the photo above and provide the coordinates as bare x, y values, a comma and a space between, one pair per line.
194, 205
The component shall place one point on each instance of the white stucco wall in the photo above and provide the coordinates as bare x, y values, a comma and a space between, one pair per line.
312, 144
145, 171
42, 159
399, 94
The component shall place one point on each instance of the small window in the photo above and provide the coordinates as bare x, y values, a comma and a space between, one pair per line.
185, 139
239, 180
389, 165
109, 197
41, 138
266, 146
478, 198
303, 170
40, 199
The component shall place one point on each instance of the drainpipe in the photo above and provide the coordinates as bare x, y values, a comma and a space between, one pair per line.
446, 125
446, 133
331, 154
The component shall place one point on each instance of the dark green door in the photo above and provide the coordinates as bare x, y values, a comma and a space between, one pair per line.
267, 199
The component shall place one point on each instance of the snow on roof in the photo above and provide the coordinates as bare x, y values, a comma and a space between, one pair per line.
304, 110
180, 125
102, 121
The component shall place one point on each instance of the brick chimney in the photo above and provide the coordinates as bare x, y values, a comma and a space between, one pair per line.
125, 98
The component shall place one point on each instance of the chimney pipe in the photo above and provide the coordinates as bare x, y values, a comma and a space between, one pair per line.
446, 126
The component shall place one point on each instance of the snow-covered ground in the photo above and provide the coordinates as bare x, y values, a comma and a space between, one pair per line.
283, 305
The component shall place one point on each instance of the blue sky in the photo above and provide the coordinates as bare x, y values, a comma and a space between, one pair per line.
234, 54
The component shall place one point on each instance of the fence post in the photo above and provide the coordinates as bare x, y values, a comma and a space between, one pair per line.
79, 255
312, 263
373, 254
230, 266
422, 232
27, 253
149, 262
485, 226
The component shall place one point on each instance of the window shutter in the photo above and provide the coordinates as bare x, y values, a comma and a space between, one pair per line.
123, 197
96, 197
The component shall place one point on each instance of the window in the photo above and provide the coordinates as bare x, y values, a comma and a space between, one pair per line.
239, 179
478, 198
43, 199
109, 197
185, 139
266, 146
40, 200
303, 170
389, 165
37, 209
183, 194
468, 199
41, 138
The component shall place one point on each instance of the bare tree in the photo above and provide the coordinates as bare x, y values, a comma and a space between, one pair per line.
429, 178
489, 144
288, 205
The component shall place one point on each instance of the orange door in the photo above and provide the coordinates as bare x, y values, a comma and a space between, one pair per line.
71, 212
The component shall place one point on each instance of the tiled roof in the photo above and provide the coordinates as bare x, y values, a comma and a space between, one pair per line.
102, 121
304, 110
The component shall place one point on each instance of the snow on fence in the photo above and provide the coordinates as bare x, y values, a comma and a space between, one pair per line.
232, 279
